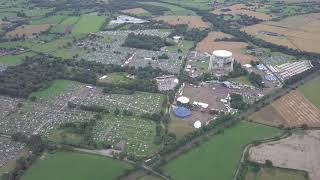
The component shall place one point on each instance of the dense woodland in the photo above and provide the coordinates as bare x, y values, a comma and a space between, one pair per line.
148, 42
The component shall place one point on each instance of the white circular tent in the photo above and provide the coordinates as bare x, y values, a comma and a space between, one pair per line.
197, 124
183, 100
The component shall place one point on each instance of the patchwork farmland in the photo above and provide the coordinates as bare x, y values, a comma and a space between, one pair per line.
296, 32
291, 110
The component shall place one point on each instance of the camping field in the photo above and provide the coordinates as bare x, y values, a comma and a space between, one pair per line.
88, 24
75, 166
218, 158
311, 91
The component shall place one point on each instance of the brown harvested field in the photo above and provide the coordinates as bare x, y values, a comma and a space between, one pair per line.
237, 48
299, 151
28, 30
191, 21
242, 9
298, 32
135, 11
269, 116
290, 110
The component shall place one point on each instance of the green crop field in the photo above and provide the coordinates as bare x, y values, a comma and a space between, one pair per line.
88, 24
218, 158
311, 91
56, 88
75, 166
274, 174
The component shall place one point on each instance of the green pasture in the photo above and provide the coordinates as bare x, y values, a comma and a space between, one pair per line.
75, 166
311, 91
183, 45
174, 10
88, 24
117, 78
55, 89
12, 60
179, 126
219, 156
274, 174
70, 20
48, 20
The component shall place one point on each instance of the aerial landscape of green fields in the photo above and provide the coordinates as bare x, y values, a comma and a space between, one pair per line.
159, 89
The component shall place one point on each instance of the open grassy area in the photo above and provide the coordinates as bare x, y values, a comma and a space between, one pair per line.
184, 46
174, 10
274, 174
218, 158
117, 78
179, 127
12, 60
242, 80
56, 88
88, 24
75, 166
48, 20
70, 20
311, 91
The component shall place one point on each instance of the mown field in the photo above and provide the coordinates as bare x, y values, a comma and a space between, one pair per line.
218, 158
311, 91
274, 174
88, 24
55, 89
75, 166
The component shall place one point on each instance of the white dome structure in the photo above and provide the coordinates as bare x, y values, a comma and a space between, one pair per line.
183, 100
222, 53
176, 81
197, 124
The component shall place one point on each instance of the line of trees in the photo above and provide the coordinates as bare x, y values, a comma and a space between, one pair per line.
148, 42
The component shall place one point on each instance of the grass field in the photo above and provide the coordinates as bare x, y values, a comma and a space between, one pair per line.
274, 174
48, 20
74, 166
88, 24
184, 46
179, 127
12, 60
70, 20
174, 10
218, 158
117, 78
56, 88
311, 91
